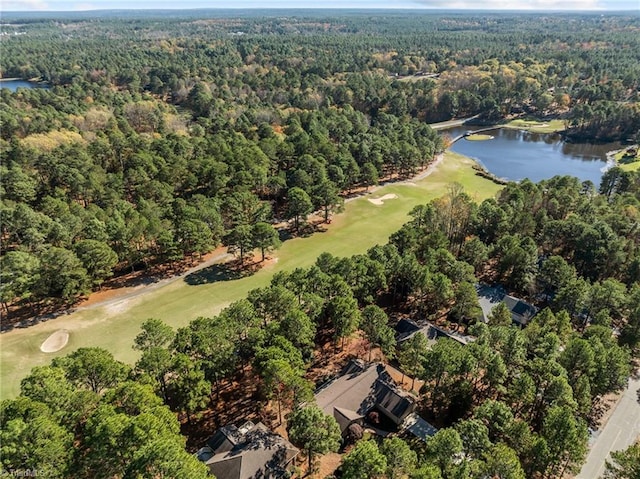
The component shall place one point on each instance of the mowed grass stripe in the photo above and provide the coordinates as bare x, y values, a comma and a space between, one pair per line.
113, 327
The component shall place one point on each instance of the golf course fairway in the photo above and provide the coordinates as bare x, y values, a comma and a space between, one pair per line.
113, 326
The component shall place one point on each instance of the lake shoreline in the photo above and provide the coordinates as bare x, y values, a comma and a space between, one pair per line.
13, 84
518, 151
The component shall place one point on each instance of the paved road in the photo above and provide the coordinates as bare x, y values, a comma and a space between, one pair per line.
622, 430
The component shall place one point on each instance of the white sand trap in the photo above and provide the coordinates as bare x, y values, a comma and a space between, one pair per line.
55, 342
381, 200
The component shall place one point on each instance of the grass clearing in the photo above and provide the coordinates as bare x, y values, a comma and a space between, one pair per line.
635, 166
536, 126
479, 137
113, 327
626, 162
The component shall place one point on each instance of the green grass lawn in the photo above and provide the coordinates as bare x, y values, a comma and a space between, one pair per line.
113, 327
535, 126
635, 166
626, 163
478, 137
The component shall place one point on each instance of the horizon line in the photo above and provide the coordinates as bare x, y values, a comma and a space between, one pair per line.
364, 9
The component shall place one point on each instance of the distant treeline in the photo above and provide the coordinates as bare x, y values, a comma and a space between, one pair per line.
163, 137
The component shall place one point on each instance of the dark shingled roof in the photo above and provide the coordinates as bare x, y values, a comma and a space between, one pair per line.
519, 307
406, 328
490, 296
360, 390
257, 453
225, 439
227, 468
345, 417
391, 399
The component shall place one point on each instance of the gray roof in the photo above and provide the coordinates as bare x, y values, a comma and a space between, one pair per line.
490, 296
225, 438
392, 400
346, 417
521, 312
406, 328
359, 390
258, 453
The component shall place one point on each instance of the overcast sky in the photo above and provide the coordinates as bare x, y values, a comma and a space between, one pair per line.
32, 5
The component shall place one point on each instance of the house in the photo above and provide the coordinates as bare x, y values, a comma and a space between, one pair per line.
406, 328
362, 390
490, 296
250, 451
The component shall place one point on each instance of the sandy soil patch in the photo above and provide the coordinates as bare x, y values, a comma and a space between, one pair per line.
380, 201
327, 464
118, 307
130, 284
55, 342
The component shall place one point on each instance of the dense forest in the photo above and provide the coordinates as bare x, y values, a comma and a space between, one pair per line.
162, 137
515, 401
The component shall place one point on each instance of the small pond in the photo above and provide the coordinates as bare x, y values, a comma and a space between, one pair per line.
13, 84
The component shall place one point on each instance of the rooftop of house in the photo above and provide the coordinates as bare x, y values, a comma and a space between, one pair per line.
227, 437
359, 390
406, 328
490, 296
249, 452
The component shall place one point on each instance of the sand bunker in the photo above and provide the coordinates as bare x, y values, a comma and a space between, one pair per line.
55, 342
381, 200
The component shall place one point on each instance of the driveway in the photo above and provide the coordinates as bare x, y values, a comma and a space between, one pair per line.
622, 430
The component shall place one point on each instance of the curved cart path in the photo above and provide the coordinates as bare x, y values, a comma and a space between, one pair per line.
147, 288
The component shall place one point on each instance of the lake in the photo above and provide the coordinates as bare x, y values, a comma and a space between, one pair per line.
515, 155
13, 85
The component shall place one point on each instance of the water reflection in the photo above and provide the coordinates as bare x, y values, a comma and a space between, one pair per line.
516, 154
13, 85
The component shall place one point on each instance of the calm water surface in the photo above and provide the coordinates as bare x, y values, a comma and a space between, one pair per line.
515, 155
13, 85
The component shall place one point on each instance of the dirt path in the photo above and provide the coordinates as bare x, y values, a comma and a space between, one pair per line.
119, 294
147, 284
429, 169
